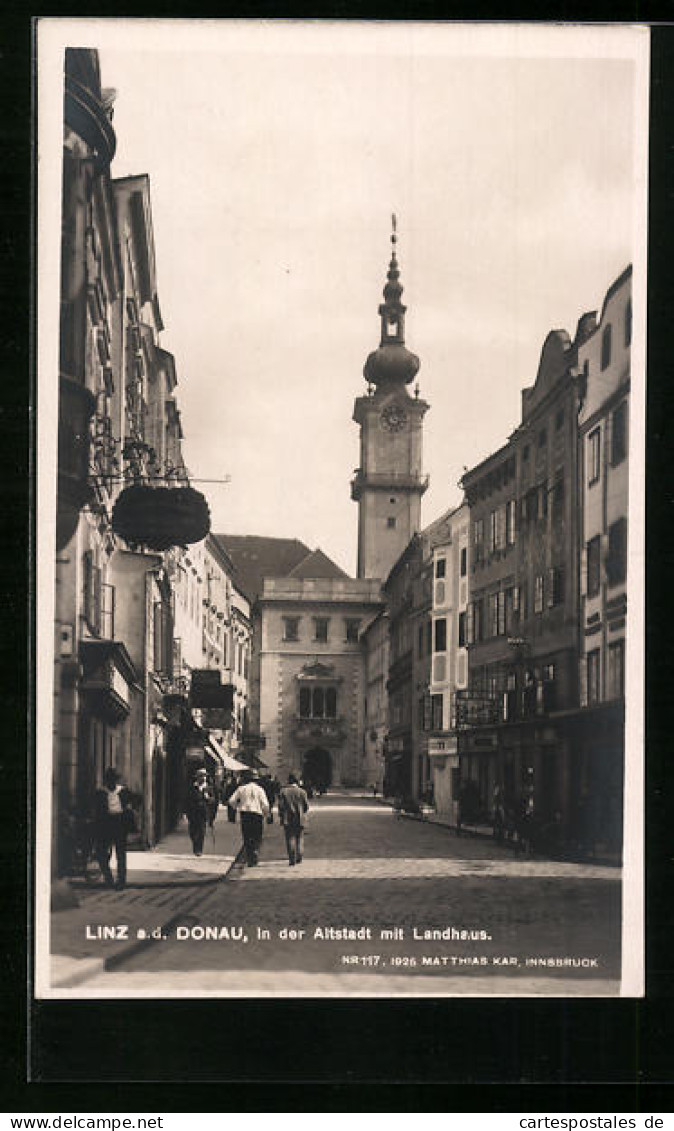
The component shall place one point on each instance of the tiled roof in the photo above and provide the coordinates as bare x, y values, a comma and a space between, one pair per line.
256, 557
317, 564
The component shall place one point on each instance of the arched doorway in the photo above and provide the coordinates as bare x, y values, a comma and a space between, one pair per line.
317, 768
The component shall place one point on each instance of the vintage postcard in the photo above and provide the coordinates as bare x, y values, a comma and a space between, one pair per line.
341, 397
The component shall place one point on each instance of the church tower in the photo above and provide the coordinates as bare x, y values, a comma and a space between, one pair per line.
389, 483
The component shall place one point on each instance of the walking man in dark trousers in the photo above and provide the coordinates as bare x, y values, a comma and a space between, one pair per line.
199, 809
251, 801
113, 819
292, 806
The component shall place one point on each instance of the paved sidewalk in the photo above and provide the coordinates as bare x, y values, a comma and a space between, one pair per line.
162, 882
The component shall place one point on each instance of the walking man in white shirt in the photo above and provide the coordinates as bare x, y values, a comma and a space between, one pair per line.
113, 819
251, 801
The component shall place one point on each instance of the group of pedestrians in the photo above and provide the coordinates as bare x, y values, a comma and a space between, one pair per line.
251, 797
254, 803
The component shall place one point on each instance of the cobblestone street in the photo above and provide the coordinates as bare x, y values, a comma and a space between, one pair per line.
460, 915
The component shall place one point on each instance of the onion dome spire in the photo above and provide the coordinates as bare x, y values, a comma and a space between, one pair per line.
392, 363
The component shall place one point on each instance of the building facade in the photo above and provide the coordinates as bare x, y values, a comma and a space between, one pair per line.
523, 614
604, 361
312, 677
401, 772
374, 640
241, 638
95, 680
449, 663
117, 535
540, 723
225, 650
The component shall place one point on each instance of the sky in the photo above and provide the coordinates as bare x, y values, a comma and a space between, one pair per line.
277, 153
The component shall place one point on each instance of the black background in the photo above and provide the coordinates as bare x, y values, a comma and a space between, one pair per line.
457, 1055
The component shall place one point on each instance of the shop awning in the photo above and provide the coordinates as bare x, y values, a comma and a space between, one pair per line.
228, 762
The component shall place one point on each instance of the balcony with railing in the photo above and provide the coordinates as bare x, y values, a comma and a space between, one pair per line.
484, 709
387, 480
317, 731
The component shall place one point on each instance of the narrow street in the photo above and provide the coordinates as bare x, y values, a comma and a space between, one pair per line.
463, 916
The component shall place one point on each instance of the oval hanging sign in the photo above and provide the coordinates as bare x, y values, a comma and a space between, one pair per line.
161, 517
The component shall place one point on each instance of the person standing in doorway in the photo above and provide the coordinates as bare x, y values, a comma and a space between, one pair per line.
113, 820
292, 806
199, 810
251, 802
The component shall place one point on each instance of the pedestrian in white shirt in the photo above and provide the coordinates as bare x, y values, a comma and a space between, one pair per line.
251, 801
113, 820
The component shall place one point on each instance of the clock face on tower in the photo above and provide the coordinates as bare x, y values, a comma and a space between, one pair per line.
393, 417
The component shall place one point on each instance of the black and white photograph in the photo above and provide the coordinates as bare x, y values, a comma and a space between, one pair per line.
341, 375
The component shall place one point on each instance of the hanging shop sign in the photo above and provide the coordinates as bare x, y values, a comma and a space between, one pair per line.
208, 691
161, 517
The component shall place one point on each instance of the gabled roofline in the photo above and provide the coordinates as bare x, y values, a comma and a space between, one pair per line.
613, 289
480, 467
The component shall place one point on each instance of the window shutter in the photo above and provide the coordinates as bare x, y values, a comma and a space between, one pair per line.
108, 611
156, 635
604, 556
516, 598
501, 613
583, 681
427, 711
167, 639
88, 584
616, 555
510, 522
470, 624
551, 588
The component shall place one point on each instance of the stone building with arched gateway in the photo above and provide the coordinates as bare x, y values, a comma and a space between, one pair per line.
307, 673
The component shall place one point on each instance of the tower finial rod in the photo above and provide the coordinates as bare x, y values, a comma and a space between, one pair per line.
394, 226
